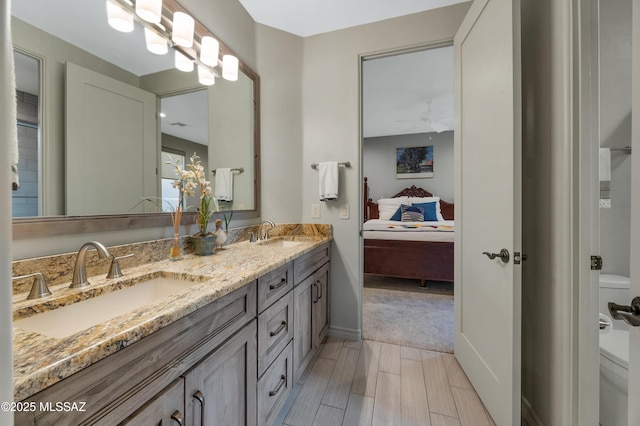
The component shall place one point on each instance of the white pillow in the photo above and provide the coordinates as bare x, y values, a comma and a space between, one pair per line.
388, 206
417, 200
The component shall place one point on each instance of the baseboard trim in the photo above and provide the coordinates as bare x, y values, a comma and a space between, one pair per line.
529, 417
344, 333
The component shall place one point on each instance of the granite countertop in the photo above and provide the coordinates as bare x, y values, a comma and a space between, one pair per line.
41, 361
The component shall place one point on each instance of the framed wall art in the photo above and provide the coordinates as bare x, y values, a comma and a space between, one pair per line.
414, 162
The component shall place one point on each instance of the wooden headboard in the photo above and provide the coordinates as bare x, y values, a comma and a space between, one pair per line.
371, 208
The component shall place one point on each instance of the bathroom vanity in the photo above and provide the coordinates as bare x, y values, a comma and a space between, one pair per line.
226, 349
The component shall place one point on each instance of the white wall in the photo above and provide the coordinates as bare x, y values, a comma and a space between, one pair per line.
615, 130
331, 122
378, 164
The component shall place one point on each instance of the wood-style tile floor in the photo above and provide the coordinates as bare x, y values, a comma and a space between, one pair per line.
374, 383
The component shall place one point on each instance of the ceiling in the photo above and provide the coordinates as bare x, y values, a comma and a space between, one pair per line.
310, 17
408, 93
397, 89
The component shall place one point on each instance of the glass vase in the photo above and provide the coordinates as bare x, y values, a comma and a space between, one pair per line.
175, 251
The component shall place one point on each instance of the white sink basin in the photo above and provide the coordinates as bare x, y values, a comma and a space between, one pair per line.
70, 319
280, 242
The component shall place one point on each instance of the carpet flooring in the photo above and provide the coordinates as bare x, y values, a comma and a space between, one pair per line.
398, 311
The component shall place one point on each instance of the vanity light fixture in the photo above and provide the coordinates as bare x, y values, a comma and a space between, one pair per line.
205, 76
183, 26
182, 62
230, 67
155, 42
118, 18
190, 47
149, 10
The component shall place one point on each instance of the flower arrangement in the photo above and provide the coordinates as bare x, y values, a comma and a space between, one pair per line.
192, 179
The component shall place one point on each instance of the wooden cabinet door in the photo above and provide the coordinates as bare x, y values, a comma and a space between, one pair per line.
221, 389
321, 306
304, 296
167, 408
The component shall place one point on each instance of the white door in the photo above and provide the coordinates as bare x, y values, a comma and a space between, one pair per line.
634, 332
111, 145
488, 204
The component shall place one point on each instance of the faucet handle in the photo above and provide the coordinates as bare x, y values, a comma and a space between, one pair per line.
39, 287
114, 269
252, 237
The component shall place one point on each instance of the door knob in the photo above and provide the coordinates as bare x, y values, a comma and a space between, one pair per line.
503, 255
630, 314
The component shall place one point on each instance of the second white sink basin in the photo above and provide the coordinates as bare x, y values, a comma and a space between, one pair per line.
70, 319
280, 242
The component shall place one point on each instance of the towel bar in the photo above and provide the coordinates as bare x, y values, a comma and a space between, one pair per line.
346, 164
239, 170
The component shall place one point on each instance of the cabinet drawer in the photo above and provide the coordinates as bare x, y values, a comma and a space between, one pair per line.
275, 330
166, 407
305, 265
274, 285
274, 387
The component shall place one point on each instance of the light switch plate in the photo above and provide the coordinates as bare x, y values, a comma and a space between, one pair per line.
344, 211
315, 211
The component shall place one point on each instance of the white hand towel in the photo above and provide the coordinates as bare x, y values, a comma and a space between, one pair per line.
224, 184
605, 164
328, 180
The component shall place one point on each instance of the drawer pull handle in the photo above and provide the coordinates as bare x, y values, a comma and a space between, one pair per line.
278, 330
283, 380
177, 416
316, 286
320, 289
282, 282
200, 397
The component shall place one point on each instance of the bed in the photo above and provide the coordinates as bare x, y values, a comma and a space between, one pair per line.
417, 250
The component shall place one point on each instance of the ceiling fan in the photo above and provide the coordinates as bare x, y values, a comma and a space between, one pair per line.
427, 120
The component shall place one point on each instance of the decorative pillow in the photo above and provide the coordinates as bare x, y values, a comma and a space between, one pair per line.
412, 213
420, 200
388, 206
430, 213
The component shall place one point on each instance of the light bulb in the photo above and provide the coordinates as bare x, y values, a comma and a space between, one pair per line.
155, 42
230, 67
183, 26
205, 76
149, 10
209, 48
183, 63
118, 18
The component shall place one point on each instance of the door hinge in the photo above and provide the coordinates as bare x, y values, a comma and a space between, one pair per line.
596, 263
517, 257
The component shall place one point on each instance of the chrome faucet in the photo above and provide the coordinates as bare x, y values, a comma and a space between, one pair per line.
79, 271
266, 235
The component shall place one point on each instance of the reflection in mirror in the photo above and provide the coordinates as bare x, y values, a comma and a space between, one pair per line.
26, 200
185, 130
231, 142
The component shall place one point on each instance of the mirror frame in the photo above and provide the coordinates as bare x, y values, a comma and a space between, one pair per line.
49, 226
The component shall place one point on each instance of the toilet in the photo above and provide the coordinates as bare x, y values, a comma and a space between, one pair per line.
614, 353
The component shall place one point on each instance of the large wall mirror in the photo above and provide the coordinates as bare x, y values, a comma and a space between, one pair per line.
99, 116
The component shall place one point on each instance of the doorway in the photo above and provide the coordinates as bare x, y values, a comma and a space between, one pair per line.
407, 128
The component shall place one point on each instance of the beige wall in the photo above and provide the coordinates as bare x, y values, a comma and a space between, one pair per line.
279, 62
